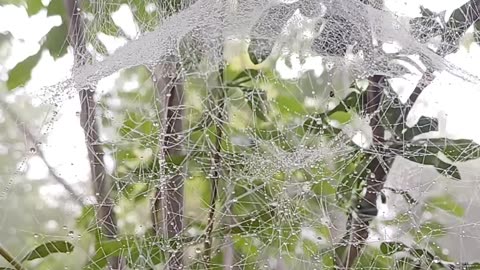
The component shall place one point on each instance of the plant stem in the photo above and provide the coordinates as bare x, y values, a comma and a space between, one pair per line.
357, 225
106, 218
10, 259
215, 175
169, 195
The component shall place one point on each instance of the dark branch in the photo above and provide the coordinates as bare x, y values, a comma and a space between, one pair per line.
106, 218
357, 226
169, 195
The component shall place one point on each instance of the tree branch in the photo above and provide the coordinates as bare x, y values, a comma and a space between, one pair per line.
169, 196
23, 128
360, 218
106, 218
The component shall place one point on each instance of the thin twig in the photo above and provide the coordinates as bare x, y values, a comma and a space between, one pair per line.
10, 259
215, 175
22, 127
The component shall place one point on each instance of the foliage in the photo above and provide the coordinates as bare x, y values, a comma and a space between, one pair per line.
269, 205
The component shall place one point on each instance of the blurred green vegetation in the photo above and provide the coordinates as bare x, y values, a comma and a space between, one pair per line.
288, 172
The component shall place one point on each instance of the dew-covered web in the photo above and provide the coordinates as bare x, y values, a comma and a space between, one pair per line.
255, 134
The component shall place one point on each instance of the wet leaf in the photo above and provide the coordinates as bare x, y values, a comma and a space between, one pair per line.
21, 73
49, 248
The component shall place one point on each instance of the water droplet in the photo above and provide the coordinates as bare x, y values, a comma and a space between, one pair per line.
33, 150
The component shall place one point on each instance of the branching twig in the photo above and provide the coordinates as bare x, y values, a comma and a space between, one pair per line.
106, 219
10, 259
23, 128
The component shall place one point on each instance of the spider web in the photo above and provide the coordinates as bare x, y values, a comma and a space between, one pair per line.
274, 111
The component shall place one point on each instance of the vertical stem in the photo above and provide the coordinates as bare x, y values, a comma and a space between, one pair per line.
215, 176
169, 196
366, 210
106, 219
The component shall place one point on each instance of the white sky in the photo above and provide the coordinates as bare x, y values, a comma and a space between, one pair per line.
65, 149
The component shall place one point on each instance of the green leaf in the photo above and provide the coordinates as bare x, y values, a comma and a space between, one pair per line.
341, 117
49, 248
129, 247
22, 72
323, 188
394, 115
237, 79
137, 125
426, 152
33, 7
447, 169
456, 150
328, 261
12, 2
390, 248
353, 176
351, 102
56, 7
56, 41
135, 192
348, 106
86, 220
290, 104
424, 125
446, 203
429, 230
472, 266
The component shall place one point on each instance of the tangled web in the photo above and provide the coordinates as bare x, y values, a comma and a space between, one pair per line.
266, 134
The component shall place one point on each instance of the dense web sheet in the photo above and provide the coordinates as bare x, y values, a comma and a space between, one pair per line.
250, 134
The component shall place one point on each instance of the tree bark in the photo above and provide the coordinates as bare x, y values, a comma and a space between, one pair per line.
168, 205
105, 214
